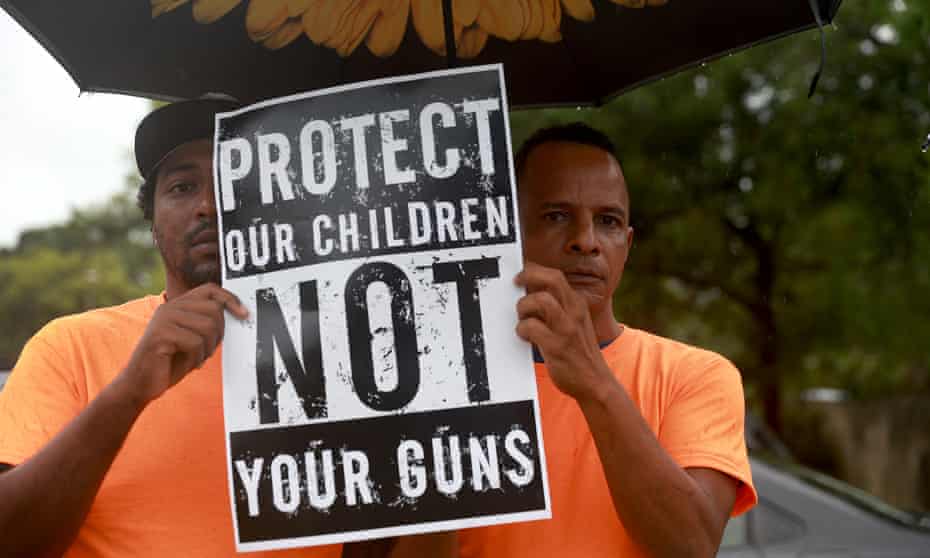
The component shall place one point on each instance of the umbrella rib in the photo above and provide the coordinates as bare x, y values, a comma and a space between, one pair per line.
706, 59
815, 8
449, 29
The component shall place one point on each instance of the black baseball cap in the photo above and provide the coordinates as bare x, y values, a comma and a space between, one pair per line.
166, 128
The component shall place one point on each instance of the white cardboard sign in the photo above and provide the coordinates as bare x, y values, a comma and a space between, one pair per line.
377, 388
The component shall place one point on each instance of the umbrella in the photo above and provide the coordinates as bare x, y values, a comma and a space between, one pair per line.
554, 51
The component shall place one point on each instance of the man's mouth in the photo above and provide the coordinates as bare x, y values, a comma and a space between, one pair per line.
583, 276
204, 241
203, 235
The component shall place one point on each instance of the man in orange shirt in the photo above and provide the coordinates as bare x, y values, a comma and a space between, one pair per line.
111, 424
643, 435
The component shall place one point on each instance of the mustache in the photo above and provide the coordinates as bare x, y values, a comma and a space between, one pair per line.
197, 230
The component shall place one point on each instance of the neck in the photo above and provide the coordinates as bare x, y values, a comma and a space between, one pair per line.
605, 326
174, 286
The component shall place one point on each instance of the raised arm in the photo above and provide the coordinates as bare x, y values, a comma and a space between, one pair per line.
667, 510
45, 499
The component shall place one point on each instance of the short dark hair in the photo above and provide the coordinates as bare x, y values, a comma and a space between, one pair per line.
574, 132
165, 129
145, 198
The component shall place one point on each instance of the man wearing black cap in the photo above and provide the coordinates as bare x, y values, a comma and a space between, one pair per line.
111, 424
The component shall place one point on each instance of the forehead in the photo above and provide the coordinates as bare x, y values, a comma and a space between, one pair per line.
193, 155
567, 172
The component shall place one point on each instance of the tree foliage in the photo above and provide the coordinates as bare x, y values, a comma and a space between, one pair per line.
100, 256
789, 233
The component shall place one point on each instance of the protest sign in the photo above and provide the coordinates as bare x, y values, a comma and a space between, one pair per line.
377, 388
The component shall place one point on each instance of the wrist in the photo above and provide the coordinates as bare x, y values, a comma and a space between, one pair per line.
600, 390
125, 392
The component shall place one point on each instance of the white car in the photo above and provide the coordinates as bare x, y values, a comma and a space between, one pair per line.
805, 514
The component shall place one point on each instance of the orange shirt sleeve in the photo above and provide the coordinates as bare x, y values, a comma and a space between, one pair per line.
703, 425
40, 397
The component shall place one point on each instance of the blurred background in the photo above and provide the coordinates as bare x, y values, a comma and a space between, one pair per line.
790, 234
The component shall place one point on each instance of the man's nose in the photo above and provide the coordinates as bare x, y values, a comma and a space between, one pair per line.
206, 206
583, 239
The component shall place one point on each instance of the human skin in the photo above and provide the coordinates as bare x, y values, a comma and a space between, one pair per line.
184, 222
182, 333
574, 209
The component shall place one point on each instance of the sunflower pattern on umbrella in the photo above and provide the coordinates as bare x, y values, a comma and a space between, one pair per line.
342, 25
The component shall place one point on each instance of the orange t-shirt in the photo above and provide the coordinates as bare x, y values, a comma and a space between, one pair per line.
166, 493
692, 400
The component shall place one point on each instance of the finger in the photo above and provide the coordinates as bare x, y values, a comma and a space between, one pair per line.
535, 278
207, 307
538, 333
543, 306
528, 268
226, 299
208, 326
188, 348
535, 273
230, 302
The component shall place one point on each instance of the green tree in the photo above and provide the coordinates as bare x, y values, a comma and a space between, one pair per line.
100, 256
789, 233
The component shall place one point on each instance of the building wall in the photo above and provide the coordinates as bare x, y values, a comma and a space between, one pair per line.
882, 447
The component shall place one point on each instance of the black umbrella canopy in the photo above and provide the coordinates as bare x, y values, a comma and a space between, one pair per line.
555, 52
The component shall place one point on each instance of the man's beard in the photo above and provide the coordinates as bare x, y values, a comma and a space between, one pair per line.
194, 276
190, 273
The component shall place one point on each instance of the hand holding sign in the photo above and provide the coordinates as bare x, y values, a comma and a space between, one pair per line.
182, 334
379, 389
555, 319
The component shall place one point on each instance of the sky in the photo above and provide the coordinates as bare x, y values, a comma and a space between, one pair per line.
59, 149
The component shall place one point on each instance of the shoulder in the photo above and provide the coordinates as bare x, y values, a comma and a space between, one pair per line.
82, 351
680, 363
676, 353
133, 311
99, 323
701, 414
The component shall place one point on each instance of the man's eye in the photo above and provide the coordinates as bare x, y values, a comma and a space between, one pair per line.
555, 216
181, 187
609, 221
